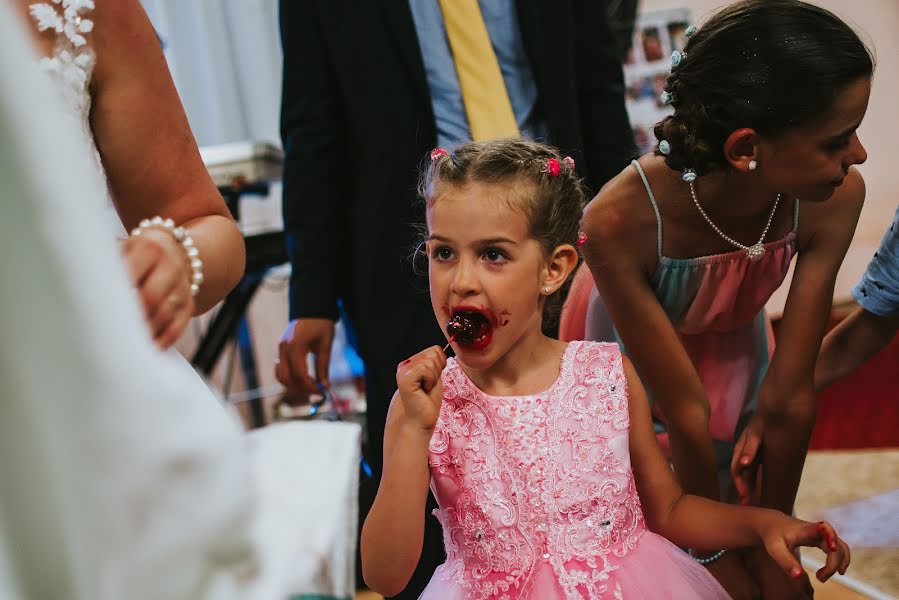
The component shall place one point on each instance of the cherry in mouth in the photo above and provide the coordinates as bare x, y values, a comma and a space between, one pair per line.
468, 327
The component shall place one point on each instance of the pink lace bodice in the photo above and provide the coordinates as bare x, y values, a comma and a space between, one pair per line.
524, 481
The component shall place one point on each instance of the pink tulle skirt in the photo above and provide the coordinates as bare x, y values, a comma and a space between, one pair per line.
656, 569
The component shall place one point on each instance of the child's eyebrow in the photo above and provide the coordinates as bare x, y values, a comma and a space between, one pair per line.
487, 242
498, 240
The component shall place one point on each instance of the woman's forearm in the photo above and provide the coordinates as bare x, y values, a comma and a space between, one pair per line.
221, 248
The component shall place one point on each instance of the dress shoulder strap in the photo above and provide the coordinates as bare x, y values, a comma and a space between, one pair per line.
655, 206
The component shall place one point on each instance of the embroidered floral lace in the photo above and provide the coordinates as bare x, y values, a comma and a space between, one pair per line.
546, 477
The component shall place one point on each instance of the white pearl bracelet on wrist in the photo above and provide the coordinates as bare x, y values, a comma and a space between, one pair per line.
179, 233
707, 559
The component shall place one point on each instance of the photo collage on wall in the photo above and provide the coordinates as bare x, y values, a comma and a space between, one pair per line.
657, 34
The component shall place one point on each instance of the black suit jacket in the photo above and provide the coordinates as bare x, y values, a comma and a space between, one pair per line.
356, 123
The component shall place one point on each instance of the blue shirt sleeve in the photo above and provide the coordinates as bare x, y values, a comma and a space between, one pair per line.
878, 290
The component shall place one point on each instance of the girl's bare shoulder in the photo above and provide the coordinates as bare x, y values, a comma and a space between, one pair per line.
622, 211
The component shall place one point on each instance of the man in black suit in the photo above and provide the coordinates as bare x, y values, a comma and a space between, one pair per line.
362, 105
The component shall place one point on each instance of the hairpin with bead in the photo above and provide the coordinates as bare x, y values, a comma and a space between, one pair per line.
553, 166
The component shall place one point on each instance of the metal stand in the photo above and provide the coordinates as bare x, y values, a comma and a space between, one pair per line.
264, 251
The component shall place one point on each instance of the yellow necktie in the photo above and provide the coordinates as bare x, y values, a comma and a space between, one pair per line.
484, 92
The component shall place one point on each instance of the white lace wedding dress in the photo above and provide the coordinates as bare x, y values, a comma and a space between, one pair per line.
71, 65
70, 68
120, 474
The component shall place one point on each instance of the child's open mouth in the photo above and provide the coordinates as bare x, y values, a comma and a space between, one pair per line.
471, 327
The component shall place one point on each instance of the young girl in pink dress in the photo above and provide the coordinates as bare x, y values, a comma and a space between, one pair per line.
541, 454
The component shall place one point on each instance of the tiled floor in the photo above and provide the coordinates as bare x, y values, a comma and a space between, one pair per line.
858, 492
832, 590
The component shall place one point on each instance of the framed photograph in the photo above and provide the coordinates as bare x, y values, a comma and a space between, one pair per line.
656, 35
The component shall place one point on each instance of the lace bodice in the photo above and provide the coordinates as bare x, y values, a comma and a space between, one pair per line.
71, 65
545, 478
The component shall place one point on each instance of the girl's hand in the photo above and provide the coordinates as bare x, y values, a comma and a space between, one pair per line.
420, 388
161, 273
784, 535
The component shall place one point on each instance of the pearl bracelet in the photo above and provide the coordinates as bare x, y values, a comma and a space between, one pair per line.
179, 233
707, 559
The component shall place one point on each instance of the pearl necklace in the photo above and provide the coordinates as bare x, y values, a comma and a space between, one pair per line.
755, 251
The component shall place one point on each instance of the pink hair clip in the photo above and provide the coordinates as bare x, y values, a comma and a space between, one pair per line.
552, 167
568, 162
581, 238
437, 153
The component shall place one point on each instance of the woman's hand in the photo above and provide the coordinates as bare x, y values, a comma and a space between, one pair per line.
420, 388
161, 273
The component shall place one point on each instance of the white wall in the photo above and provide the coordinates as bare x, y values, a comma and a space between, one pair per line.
225, 58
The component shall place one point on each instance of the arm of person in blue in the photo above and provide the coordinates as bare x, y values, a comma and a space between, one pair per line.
873, 324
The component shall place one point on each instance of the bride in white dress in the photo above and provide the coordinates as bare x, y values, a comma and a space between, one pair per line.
120, 475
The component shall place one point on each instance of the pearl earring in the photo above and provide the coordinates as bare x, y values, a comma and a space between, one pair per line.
753, 165
546, 289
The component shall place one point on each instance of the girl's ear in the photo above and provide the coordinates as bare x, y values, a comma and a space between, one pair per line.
741, 149
559, 266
